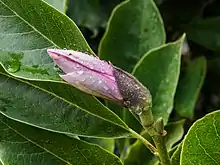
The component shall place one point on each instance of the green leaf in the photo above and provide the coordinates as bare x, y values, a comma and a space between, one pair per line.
175, 159
35, 63
108, 144
126, 116
138, 154
134, 28
173, 149
159, 71
60, 5
175, 132
202, 143
28, 28
91, 14
205, 32
38, 106
189, 87
23, 144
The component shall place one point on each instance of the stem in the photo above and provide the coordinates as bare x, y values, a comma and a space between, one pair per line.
162, 150
146, 143
156, 131
146, 118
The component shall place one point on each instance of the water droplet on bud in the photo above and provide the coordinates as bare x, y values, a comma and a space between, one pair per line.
80, 72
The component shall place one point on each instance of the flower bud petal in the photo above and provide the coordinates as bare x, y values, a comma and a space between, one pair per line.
102, 79
83, 60
87, 73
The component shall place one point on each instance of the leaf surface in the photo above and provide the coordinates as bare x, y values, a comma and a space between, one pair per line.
202, 142
28, 28
205, 32
27, 145
189, 87
26, 102
60, 5
134, 28
159, 71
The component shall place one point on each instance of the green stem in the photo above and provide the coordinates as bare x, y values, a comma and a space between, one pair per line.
145, 142
156, 131
146, 118
162, 150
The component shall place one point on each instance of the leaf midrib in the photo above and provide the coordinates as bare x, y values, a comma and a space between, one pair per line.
38, 145
53, 94
23, 19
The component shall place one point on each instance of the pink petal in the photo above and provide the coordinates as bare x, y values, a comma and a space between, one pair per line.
87, 73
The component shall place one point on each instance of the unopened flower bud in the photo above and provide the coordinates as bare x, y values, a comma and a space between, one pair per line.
100, 78
135, 95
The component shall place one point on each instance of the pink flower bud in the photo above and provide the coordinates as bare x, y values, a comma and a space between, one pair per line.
100, 78
87, 73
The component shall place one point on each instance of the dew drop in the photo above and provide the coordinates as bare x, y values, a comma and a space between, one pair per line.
13, 66
138, 112
127, 102
35, 66
80, 72
106, 88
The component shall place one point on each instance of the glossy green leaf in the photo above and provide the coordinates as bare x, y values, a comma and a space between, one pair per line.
175, 159
126, 116
202, 143
28, 28
138, 154
21, 144
134, 28
175, 132
36, 64
159, 71
60, 5
38, 106
189, 87
108, 144
205, 32
91, 14
173, 149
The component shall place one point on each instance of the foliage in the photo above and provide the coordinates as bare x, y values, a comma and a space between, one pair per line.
172, 49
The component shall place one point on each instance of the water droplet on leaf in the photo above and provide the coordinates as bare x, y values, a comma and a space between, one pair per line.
138, 112
35, 66
13, 66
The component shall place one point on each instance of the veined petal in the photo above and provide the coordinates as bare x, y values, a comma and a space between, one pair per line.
80, 61
94, 83
87, 73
